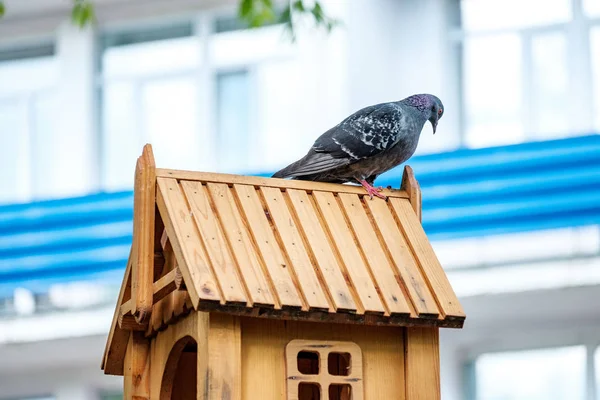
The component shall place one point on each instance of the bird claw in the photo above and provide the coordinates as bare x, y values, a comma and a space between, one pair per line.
373, 191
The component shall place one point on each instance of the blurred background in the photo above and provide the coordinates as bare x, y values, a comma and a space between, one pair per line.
511, 180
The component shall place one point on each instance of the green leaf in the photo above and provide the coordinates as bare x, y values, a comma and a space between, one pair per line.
317, 11
286, 15
82, 13
246, 7
87, 16
299, 6
76, 13
2, 9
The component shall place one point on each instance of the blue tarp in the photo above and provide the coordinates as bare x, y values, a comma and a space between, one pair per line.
466, 193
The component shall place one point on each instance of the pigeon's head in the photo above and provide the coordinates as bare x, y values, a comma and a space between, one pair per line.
429, 106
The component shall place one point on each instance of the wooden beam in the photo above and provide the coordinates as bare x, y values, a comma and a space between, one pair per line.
169, 283
137, 368
412, 188
271, 182
422, 363
128, 323
224, 358
143, 232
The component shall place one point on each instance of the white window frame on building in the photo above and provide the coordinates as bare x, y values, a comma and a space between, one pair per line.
580, 96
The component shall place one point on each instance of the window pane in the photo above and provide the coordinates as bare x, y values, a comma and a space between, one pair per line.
169, 122
151, 58
233, 120
26, 126
121, 137
592, 7
550, 86
149, 96
43, 149
29, 75
492, 87
548, 374
14, 152
478, 15
595, 51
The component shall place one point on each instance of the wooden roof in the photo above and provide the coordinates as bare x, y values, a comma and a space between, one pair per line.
278, 248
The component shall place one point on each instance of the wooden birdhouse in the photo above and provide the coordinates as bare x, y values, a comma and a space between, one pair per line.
250, 288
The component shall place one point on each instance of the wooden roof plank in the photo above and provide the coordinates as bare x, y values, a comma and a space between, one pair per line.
291, 240
267, 245
320, 247
223, 265
230, 179
424, 253
387, 280
186, 243
402, 257
348, 250
241, 245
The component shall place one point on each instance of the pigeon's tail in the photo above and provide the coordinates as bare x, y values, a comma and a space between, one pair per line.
311, 165
287, 172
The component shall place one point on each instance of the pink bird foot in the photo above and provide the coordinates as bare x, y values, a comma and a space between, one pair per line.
372, 190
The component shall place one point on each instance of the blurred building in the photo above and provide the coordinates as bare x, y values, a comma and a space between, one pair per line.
511, 181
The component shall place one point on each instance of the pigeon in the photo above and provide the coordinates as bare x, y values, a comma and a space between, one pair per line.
368, 143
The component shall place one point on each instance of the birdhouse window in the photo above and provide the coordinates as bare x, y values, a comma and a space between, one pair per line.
326, 370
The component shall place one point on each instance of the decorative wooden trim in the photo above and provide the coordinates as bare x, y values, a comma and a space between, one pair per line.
422, 363
137, 368
143, 233
208, 177
170, 282
354, 377
412, 188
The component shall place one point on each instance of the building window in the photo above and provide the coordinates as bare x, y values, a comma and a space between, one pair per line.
233, 140
523, 70
324, 370
595, 52
546, 374
592, 8
149, 95
28, 78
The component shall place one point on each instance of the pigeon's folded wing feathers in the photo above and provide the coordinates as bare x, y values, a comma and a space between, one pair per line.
313, 163
363, 134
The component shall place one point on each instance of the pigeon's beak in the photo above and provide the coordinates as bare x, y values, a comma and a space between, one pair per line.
434, 126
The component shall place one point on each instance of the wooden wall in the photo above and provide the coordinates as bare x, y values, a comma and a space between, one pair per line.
263, 356
240, 358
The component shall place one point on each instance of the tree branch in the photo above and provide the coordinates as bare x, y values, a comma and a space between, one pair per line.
255, 13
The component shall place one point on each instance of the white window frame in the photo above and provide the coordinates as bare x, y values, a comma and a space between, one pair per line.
580, 95
203, 23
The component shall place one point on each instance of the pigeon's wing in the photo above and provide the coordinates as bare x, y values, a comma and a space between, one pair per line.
364, 134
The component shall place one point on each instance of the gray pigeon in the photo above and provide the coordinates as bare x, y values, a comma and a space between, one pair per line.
367, 143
